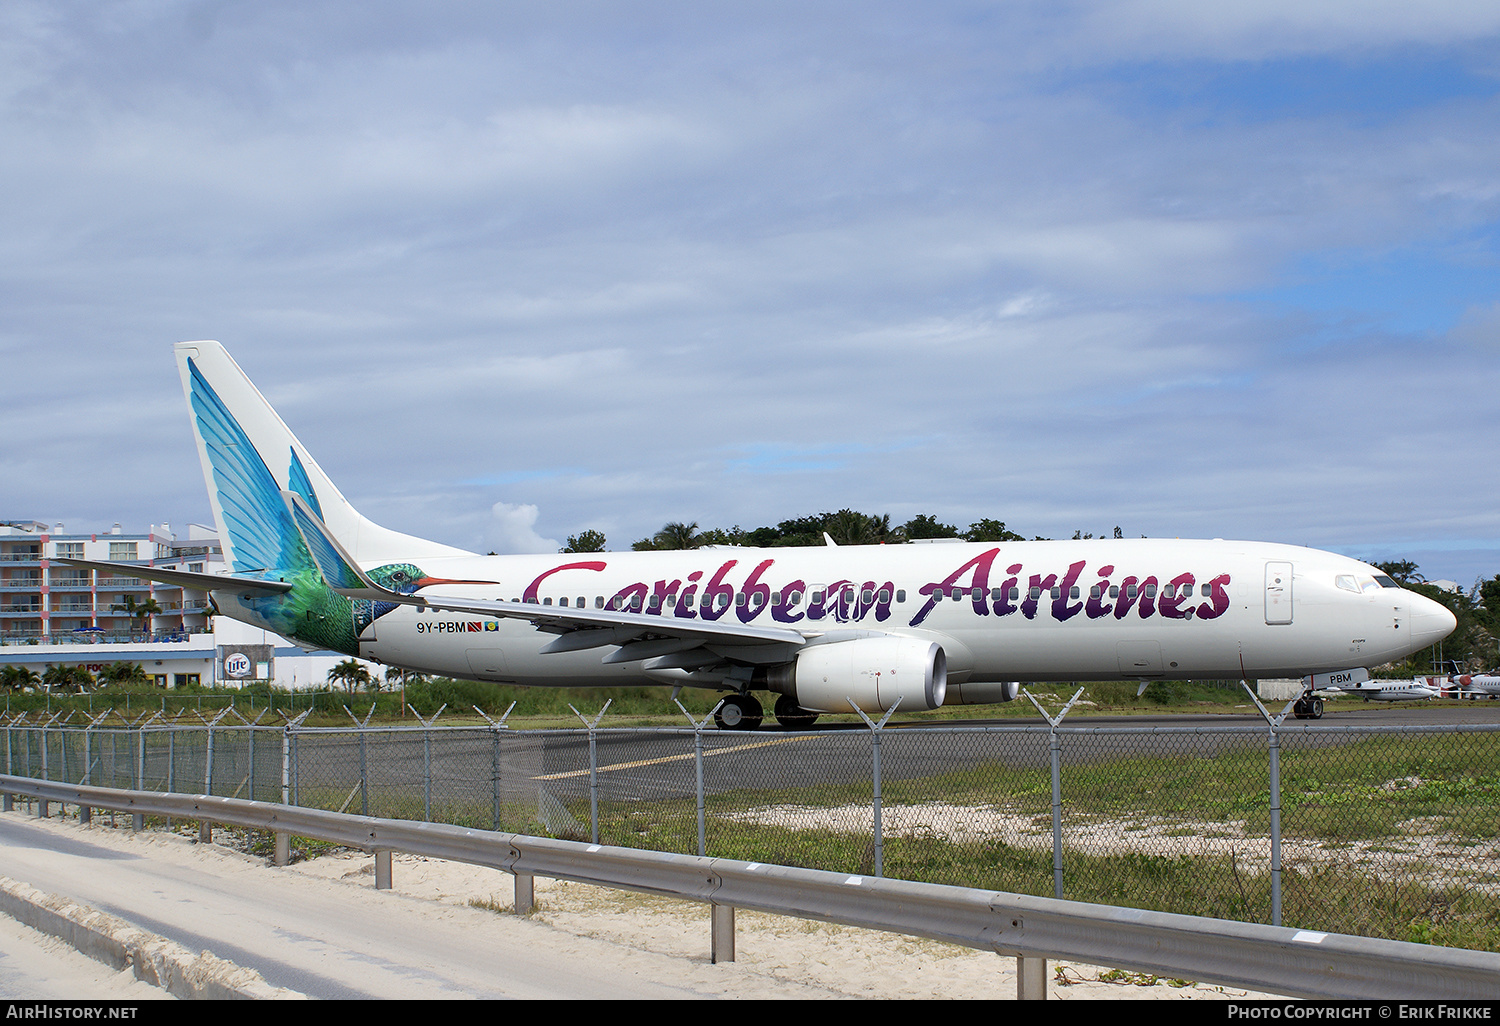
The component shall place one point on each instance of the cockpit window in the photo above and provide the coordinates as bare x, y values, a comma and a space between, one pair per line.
1347, 583
1385, 582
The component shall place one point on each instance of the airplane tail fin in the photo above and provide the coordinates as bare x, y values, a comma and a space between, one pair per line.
250, 456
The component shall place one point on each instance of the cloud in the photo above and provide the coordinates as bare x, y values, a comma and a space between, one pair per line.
513, 532
1147, 263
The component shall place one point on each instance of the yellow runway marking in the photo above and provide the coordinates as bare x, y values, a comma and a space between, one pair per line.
673, 758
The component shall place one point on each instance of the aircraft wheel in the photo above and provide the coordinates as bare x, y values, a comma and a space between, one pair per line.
739, 712
792, 716
1317, 709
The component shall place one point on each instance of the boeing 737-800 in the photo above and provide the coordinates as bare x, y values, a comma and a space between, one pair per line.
825, 629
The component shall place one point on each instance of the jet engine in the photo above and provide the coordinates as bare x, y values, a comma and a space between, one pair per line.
983, 692
870, 673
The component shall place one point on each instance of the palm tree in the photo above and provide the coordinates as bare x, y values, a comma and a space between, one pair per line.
678, 536
848, 527
18, 678
123, 673
352, 674
142, 611
67, 678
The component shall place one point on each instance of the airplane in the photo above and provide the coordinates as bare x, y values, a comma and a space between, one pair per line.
1390, 690
1476, 685
824, 629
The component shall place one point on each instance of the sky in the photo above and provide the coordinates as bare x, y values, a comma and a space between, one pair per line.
516, 271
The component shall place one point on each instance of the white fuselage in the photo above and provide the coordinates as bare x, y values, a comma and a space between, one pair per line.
1045, 611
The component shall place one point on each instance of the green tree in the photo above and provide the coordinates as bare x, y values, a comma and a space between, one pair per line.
849, 527
677, 536
990, 531
1487, 619
924, 526
588, 541
67, 678
672, 536
1403, 571
351, 673
718, 536
142, 611
18, 678
123, 673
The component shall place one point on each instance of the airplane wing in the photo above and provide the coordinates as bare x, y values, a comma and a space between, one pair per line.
637, 635
183, 578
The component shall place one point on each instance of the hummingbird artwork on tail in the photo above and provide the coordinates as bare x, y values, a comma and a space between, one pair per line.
262, 541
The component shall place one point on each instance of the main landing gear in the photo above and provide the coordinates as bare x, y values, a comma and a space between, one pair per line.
744, 712
792, 716
1308, 707
739, 712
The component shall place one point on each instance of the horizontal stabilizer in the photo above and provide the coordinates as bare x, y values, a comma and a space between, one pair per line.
337, 567
183, 578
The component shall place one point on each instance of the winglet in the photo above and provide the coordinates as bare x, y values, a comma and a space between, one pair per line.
337, 567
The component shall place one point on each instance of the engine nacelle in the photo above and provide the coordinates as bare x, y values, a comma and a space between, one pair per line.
983, 692
872, 673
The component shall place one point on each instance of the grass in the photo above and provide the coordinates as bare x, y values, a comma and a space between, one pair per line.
1372, 823
549, 708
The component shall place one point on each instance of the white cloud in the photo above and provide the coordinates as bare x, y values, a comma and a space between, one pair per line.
513, 531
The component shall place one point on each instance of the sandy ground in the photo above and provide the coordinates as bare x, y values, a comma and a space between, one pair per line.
38, 967
853, 962
575, 927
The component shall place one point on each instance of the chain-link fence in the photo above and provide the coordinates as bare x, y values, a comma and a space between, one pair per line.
1374, 831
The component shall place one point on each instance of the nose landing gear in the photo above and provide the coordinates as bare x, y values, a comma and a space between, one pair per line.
1308, 707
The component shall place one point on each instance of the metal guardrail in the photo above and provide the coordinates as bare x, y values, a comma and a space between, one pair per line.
1278, 960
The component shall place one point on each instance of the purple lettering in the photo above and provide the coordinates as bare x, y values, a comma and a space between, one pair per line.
529, 595
980, 564
1147, 604
685, 608
1003, 604
1179, 591
1218, 596
1096, 606
713, 608
1060, 608
757, 595
781, 610
1039, 585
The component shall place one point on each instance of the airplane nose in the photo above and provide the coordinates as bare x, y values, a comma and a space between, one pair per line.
1431, 621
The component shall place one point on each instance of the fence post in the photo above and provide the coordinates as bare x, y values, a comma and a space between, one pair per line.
496, 726
138, 821
427, 761
1054, 743
698, 768
1274, 758
593, 771
288, 755
879, 837
364, 775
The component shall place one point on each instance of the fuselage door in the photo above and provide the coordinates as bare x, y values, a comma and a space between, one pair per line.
1278, 593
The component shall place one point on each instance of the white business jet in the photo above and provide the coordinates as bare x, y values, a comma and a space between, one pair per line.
825, 629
